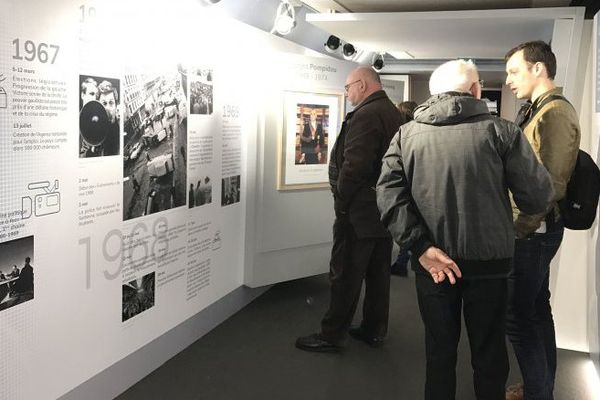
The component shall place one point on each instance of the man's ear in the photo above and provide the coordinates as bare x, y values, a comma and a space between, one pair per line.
539, 69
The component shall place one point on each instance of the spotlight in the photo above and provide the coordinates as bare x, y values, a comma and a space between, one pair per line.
285, 19
212, 1
348, 51
377, 63
332, 44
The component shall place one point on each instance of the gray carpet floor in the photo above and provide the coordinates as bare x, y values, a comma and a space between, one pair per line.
252, 356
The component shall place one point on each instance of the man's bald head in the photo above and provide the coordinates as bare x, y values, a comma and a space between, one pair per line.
361, 83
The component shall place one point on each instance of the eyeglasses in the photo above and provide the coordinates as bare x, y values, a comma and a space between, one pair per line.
481, 82
346, 87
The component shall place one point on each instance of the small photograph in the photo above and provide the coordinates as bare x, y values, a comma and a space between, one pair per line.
200, 191
312, 123
201, 92
230, 190
138, 296
16, 272
155, 143
99, 132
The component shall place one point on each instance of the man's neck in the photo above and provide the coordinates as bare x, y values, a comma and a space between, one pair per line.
544, 86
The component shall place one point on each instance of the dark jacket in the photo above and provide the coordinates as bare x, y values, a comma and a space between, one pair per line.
355, 162
446, 176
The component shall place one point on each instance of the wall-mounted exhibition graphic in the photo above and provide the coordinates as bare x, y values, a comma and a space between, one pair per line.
230, 190
16, 272
155, 143
99, 100
200, 193
396, 87
201, 92
311, 122
138, 296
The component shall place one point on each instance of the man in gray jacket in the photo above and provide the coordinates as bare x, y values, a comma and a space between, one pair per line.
443, 194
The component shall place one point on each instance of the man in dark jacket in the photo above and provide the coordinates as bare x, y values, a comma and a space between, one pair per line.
443, 194
361, 244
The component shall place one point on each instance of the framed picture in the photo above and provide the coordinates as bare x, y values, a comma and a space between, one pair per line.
311, 122
396, 87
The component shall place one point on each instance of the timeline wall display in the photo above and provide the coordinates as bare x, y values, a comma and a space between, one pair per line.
122, 157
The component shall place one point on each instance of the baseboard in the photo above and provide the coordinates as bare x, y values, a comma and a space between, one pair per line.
116, 379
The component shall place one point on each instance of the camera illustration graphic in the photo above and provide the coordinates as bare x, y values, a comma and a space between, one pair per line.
45, 203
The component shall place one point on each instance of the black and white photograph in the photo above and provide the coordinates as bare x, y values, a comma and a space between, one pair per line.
201, 92
200, 191
155, 143
230, 190
99, 116
138, 296
16, 272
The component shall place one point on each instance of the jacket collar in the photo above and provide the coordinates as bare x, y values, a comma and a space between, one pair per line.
380, 94
556, 90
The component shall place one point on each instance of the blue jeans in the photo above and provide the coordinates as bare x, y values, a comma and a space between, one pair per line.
530, 326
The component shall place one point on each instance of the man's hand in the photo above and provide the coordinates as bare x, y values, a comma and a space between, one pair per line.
439, 265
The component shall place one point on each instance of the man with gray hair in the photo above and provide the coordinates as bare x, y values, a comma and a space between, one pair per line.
443, 194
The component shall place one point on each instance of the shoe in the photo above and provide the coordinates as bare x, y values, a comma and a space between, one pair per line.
316, 343
358, 334
515, 392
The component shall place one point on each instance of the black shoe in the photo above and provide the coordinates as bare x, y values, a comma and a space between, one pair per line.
316, 343
358, 334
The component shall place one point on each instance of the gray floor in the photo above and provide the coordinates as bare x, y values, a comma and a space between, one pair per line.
252, 356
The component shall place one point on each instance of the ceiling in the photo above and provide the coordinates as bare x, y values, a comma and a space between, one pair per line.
434, 30
368, 6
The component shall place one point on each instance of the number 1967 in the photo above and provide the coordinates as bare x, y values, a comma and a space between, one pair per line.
32, 51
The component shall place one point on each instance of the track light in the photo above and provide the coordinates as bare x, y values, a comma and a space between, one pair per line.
212, 1
348, 51
285, 19
377, 63
332, 44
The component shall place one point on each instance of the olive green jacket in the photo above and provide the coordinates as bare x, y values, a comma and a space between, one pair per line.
554, 135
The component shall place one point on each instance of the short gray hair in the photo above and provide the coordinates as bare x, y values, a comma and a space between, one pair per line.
456, 75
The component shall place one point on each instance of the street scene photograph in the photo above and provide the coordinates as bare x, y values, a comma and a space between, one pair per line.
201, 92
138, 296
154, 143
16, 272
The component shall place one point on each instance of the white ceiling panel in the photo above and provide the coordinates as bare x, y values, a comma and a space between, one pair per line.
435, 35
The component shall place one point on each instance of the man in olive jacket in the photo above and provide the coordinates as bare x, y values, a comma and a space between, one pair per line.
361, 244
552, 129
443, 193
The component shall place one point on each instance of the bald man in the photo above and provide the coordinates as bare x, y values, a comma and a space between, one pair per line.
361, 244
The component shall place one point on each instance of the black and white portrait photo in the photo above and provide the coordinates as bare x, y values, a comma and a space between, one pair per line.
16, 272
99, 132
138, 296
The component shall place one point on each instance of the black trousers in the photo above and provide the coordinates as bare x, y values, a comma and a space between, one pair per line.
353, 260
484, 304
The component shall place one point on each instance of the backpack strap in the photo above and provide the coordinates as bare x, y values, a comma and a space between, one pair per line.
537, 107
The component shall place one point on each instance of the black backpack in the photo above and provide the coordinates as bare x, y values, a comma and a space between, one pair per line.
578, 207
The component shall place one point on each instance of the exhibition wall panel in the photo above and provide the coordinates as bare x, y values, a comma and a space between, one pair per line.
125, 144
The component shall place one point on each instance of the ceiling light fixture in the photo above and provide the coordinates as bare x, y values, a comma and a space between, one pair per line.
348, 51
285, 19
377, 62
332, 44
